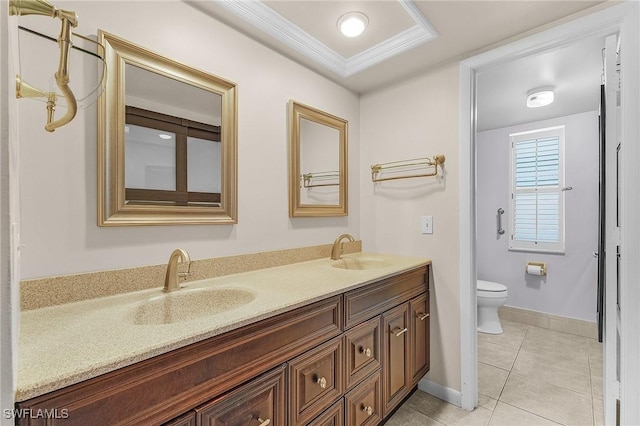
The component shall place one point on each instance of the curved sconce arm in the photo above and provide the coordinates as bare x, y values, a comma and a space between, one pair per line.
69, 19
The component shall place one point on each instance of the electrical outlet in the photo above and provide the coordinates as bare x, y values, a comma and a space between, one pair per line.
426, 224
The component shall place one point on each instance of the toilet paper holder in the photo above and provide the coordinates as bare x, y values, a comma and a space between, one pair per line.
536, 268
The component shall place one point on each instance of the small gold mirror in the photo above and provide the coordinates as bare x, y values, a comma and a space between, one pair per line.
167, 151
317, 162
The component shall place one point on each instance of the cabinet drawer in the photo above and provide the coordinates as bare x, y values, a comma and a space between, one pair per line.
260, 401
315, 381
188, 419
369, 301
362, 351
332, 416
363, 405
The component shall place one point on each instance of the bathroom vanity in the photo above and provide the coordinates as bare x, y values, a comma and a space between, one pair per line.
348, 357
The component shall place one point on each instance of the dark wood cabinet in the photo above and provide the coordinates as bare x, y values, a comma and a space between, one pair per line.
315, 381
332, 416
187, 419
419, 326
362, 350
259, 402
364, 403
396, 344
347, 360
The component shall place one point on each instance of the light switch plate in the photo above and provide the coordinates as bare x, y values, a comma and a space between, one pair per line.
426, 223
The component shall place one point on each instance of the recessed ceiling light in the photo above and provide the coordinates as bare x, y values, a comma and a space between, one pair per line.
542, 96
165, 136
352, 24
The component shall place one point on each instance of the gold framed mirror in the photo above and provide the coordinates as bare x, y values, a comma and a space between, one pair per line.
317, 162
167, 141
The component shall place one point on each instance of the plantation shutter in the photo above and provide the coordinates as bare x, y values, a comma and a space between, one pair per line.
537, 210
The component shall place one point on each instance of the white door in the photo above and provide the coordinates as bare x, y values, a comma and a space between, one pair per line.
612, 233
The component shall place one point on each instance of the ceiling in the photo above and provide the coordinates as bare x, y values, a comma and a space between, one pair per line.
574, 71
404, 37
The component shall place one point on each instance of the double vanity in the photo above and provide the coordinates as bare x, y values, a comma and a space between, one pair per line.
322, 342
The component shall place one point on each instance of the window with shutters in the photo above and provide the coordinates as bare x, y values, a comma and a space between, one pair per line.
537, 199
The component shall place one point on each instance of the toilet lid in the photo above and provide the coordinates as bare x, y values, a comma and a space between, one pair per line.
490, 286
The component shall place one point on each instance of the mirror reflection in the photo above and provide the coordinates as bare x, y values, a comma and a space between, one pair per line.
318, 162
168, 141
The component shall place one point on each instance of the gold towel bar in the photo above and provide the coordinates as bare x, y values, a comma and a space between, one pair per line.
320, 176
414, 163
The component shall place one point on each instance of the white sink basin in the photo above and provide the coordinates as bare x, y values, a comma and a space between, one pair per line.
188, 304
359, 263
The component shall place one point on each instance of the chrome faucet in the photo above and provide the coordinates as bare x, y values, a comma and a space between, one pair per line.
172, 277
336, 251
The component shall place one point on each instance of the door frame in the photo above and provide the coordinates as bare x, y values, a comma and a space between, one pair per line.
624, 20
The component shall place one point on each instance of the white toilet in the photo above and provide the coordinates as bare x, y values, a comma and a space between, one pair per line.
490, 297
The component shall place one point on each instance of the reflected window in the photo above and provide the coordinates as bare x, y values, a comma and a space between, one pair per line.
171, 160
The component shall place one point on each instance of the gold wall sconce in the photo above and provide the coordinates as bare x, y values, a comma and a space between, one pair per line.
69, 19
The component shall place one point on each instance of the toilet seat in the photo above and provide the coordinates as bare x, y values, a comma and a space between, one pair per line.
491, 290
490, 286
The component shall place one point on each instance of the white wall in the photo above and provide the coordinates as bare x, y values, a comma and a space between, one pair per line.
569, 289
418, 118
58, 193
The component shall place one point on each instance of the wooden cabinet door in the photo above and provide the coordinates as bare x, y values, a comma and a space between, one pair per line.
259, 402
363, 404
315, 381
362, 351
419, 329
396, 379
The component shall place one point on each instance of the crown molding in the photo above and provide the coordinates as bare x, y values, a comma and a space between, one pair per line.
261, 16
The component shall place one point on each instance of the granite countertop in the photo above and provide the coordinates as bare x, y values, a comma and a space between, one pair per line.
66, 344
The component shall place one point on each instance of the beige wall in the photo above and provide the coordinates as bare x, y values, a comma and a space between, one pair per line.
58, 194
417, 118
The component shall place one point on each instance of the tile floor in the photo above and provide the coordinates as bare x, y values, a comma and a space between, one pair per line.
526, 376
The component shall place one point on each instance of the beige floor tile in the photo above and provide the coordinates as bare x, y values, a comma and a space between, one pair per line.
539, 340
560, 371
486, 402
596, 386
507, 415
491, 380
598, 412
478, 417
435, 408
512, 336
549, 401
496, 355
406, 416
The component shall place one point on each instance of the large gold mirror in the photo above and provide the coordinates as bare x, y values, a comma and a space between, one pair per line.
166, 141
317, 162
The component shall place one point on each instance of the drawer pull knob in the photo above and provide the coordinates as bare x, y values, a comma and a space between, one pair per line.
322, 382
398, 332
367, 409
366, 352
423, 316
264, 422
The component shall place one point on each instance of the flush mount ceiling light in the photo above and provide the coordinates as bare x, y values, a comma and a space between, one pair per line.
542, 96
352, 24
165, 136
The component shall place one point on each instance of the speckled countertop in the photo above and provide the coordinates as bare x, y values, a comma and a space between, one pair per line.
66, 344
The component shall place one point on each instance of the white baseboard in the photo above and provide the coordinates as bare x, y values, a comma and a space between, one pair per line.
444, 393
